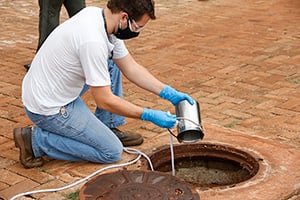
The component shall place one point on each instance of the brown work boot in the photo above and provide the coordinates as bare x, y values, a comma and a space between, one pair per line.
22, 138
128, 139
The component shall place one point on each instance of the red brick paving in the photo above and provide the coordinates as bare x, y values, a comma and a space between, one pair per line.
240, 59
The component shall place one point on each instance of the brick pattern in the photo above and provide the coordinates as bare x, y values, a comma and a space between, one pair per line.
240, 59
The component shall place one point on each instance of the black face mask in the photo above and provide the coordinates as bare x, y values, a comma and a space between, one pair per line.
126, 33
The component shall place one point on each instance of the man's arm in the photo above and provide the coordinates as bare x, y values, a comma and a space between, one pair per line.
106, 100
139, 75
143, 78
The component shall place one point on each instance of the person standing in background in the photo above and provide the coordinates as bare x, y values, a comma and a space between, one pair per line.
49, 16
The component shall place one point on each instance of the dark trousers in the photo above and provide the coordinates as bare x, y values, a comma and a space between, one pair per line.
50, 14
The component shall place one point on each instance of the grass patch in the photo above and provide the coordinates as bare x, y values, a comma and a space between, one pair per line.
231, 124
74, 195
295, 81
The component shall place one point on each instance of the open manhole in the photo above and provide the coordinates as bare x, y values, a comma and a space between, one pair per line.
205, 165
137, 185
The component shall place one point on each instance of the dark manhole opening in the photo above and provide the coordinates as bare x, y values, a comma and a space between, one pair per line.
206, 165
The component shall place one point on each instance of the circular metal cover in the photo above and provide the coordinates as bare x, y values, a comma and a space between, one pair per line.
137, 185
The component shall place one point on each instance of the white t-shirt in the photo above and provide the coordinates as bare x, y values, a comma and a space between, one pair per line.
75, 53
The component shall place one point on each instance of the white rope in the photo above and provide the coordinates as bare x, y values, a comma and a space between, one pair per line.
128, 150
171, 141
172, 153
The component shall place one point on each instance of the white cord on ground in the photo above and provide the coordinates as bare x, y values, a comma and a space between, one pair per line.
135, 151
128, 150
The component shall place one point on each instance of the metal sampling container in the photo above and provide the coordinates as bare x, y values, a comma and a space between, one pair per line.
189, 127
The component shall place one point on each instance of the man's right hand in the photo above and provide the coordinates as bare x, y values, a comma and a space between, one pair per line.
158, 117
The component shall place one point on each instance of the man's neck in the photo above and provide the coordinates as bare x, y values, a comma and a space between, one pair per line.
111, 20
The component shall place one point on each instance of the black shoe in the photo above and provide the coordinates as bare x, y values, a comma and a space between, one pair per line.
128, 139
22, 138
27, 66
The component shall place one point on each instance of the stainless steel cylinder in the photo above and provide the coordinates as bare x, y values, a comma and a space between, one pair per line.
189, 127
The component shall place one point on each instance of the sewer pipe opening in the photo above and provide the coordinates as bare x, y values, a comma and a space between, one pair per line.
206, 165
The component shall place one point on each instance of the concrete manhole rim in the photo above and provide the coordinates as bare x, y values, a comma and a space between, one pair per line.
261, 171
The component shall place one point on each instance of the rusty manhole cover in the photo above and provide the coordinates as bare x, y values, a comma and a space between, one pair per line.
137, 185
206, 165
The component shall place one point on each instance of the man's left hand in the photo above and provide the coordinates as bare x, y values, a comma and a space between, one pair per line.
174, 96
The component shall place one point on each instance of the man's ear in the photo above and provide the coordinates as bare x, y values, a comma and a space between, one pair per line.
123, 16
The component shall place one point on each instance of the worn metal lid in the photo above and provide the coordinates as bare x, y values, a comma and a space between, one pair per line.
137, 185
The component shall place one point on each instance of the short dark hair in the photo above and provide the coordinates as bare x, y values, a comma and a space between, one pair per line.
134, 8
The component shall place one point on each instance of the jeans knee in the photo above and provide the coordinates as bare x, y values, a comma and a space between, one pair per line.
113, 155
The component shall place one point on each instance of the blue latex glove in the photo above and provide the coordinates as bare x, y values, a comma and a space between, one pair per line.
174, 96
160, 118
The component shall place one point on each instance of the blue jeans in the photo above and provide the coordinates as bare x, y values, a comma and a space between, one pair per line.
77, 134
